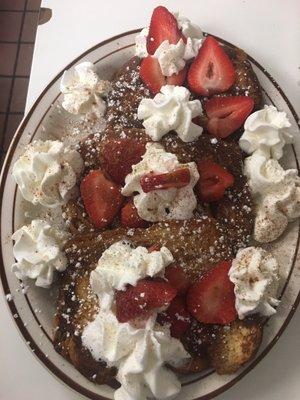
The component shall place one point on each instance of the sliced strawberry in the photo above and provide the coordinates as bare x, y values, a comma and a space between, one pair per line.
146, 296
174, 179
101, 197
227, 114
152, 76
211, 300
176, 316
176, 276
119, 155
213, 181
130, 217
163, 26
212, 70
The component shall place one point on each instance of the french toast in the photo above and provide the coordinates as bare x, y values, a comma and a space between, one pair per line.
215, 233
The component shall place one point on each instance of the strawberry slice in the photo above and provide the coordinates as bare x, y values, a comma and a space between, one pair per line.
119, 155
174, 179
101, 197
211, 300
227, 114
212, 70
176, 316
130, 217
163, 26
176, 276
213, 181
146, 296
152, 76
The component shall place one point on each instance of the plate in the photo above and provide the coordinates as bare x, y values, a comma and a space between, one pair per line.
33, 308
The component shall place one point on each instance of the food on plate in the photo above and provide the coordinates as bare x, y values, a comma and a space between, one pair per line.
157, 270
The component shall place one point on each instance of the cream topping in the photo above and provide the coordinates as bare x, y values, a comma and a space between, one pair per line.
47, 172
83, 90
255, 275
161, 205
171, 110
38, 252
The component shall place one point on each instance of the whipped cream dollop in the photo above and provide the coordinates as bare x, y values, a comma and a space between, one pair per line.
255, 275
38, 252
47, 172
266, 130
276, 193
163, 204
121, 264
139, 353
83, 90
171, 110
172, 57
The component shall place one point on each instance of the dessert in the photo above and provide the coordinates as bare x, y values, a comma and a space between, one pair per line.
158, 266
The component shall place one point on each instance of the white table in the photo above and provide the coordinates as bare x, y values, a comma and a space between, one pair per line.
268, 30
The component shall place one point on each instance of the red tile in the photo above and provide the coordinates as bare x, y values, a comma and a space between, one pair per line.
19, 95
12, 124
12, 4
24, 59
33, 4
29, 28
5, 86
8, 52
10, 26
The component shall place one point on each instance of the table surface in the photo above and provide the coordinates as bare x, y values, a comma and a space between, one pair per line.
269, 31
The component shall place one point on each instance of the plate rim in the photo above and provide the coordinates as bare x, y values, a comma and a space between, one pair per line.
23, 331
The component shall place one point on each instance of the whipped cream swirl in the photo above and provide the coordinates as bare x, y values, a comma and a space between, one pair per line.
47, 172
139, 353
276, 193
121, 264
266, 130
83, 90
164, 204
171, 110
170, 57
38, 252
255, 275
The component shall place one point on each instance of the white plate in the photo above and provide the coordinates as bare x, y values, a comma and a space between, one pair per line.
34, 311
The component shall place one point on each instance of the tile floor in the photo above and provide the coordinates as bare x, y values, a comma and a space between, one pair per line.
18, 24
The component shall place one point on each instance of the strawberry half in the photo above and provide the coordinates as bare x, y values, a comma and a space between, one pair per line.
211, 300
174, 179
101, 197
119, 155
212, 70
152, 76
130, 217
146, 296
176, 276
227, 114
163, 26
176, 316
213, 181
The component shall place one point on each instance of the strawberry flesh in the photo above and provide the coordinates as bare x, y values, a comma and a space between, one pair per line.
212, 70
227, 114
176, 276
163, 26
130, 217
213, 181
119, 155
211, 300
152, 76
147, 295
101, 197
174, 179
176, 317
